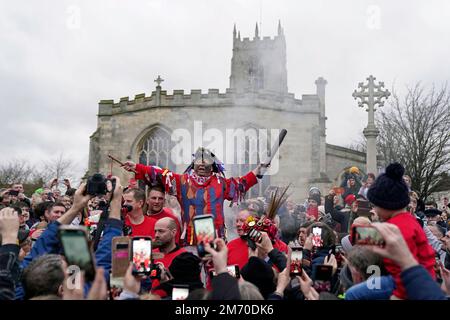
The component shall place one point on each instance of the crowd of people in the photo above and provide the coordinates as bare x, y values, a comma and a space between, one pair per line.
283, 250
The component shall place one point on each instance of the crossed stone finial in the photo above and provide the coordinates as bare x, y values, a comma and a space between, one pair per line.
371, 94
159, 80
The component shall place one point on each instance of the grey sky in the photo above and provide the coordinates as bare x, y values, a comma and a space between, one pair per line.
54, 68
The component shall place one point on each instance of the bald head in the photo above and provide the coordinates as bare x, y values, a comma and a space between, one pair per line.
362, 221
166, 223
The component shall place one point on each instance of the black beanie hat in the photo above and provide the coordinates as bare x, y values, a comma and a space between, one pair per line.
389, 190
260, 273
185, 269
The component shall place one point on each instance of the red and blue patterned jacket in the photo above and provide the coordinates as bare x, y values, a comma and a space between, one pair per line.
198, 199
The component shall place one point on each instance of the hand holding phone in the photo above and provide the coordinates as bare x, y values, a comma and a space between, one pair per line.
233, 270
141, 253
317, 237
295, 268
366, 235
180, 292
322, 279
76, 249
205, 232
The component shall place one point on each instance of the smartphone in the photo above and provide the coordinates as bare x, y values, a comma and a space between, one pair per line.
322, 279
317, 237
366, 235
339, 252
13, 193
74, 240
120, 256
141, 255
233, 270
204, 232
296, 261
180, 292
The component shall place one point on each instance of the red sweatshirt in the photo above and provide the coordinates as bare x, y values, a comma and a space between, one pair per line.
166, 261
418, 245
238, 251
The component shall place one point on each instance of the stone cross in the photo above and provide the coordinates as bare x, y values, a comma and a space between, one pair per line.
370, 95
159, 80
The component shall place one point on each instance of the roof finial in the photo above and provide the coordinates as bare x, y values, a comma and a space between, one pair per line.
280, 30
256, 31
234, 31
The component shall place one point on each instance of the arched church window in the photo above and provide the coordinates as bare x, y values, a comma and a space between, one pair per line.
155, 149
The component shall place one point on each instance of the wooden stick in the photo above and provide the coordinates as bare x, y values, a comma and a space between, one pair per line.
118, 161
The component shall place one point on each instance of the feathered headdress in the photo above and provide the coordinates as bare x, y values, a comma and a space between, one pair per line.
209, 158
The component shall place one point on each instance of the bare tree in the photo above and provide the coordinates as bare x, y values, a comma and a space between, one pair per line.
415, 131
59, 167
15, 171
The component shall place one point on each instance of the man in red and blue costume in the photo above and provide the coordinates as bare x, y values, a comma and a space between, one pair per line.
201, 189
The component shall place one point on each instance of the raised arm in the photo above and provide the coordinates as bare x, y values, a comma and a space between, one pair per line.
149, 174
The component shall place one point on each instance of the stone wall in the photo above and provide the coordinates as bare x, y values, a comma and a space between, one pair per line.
122, 125
340, 158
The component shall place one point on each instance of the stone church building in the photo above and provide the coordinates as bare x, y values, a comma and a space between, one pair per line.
140, 128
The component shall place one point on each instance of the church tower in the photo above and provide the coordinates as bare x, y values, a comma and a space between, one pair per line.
259, 64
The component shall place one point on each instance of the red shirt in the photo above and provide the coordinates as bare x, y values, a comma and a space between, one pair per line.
166, 261
238, 251
145, 228
418, 245
165, 213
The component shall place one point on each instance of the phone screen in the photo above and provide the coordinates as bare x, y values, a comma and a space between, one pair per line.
204, 233
120, 256
322, 279
13, 193
77, 252
366, 235
141, 255
180, 293
233, 271
296, 262
317, 237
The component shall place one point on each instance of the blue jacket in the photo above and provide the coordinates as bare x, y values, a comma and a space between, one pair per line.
48, 243
363, 291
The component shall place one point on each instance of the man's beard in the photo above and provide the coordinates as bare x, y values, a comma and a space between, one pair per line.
159, 244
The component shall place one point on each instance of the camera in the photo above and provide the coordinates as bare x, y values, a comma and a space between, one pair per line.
96, 185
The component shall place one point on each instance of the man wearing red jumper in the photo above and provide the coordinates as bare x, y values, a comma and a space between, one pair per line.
157, 211
140, 224
390, 197
238, 248
165, 231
